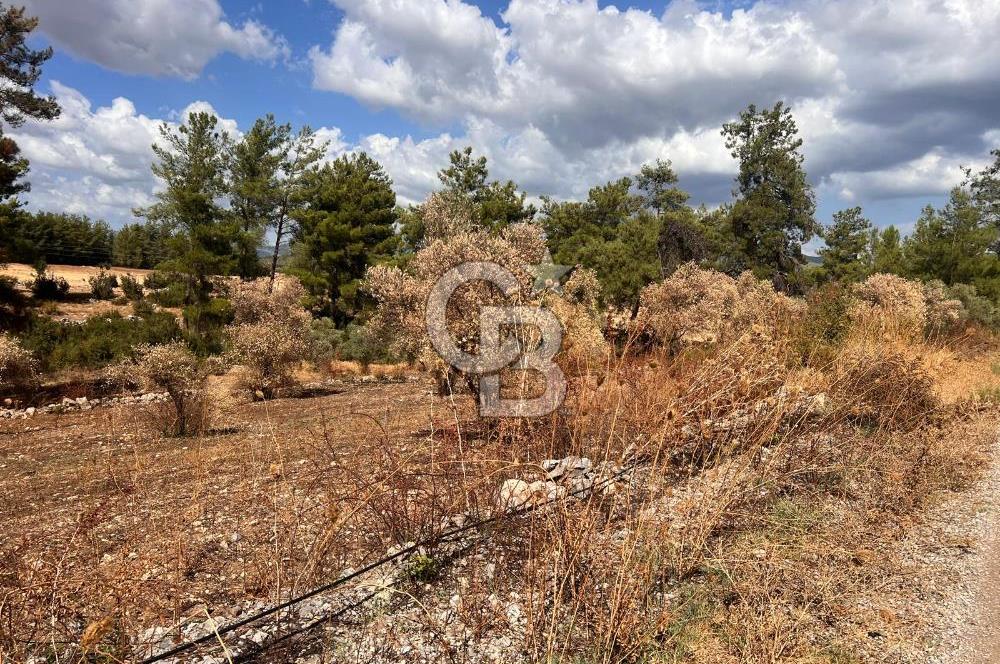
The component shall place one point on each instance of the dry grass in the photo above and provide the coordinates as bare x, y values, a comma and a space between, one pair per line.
756, 521
76, 275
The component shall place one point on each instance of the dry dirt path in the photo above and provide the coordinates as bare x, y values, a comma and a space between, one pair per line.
967, 619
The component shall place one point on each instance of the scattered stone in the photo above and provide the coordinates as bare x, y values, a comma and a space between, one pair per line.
568, 468
81, 404
515, 494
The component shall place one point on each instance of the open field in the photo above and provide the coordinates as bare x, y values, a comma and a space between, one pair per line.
123, 540
75, 275
165, 525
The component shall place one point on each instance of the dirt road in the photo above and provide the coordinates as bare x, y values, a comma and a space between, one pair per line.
961, 551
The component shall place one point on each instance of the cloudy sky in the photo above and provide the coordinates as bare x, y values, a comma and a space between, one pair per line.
892, 96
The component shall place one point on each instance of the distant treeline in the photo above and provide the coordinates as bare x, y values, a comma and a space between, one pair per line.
71, 239
222, 196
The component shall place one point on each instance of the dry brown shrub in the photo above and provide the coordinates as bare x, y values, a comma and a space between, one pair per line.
943, 313
576, 306
691, 304
270, 332
883, 384
345, 367
174, 369
401, 295
759, 304
889, 304
17, 365
697, 305
445, 216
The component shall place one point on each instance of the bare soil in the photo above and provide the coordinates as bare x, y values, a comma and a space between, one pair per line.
76, 275
102, 516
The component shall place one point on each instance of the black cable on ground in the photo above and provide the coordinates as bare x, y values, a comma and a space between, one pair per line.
458, 530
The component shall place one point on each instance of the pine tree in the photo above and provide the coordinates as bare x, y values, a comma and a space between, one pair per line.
301, 154
192, 165
658, 184
886, 251
20, 69
954, 244
773, 214
845, 257
467, 187
629, 231
985, 188
255, 188
347, 225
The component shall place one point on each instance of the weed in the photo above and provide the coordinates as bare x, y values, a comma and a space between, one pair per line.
421, 568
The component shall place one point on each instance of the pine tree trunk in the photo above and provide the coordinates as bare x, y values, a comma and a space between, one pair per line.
277, 248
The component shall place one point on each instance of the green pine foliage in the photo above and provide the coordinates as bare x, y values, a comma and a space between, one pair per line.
615, 232
631, 231
846, 256
255, 189
141, 245
191, 162
985, 189
20, 69
773, 214
955, 245
56, 238
349, 224
887, 251
491, 204
47, 286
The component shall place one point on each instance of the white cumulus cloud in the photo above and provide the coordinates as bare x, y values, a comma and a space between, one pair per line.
155, 37
580, 91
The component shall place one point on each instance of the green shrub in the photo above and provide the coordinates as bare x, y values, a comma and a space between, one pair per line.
351, 343
171, 296
47, 286
12, 303
421, 568
159, 279
205, 324
825, 323
99, 341
167, 289
978, 308
324, 339
131, 288
103, 285
9, 295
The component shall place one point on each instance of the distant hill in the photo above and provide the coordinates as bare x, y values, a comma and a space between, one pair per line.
267, 252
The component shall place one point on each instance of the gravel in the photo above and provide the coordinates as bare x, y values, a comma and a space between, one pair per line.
958, 548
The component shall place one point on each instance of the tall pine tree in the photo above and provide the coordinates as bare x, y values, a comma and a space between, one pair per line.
886, 251
255, 188
773, 214
348, 224
300, 157
20, 69
192, 165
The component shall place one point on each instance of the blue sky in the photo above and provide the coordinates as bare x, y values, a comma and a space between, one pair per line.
892, 98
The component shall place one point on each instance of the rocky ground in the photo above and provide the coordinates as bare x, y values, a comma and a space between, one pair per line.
957, 552
83, 404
